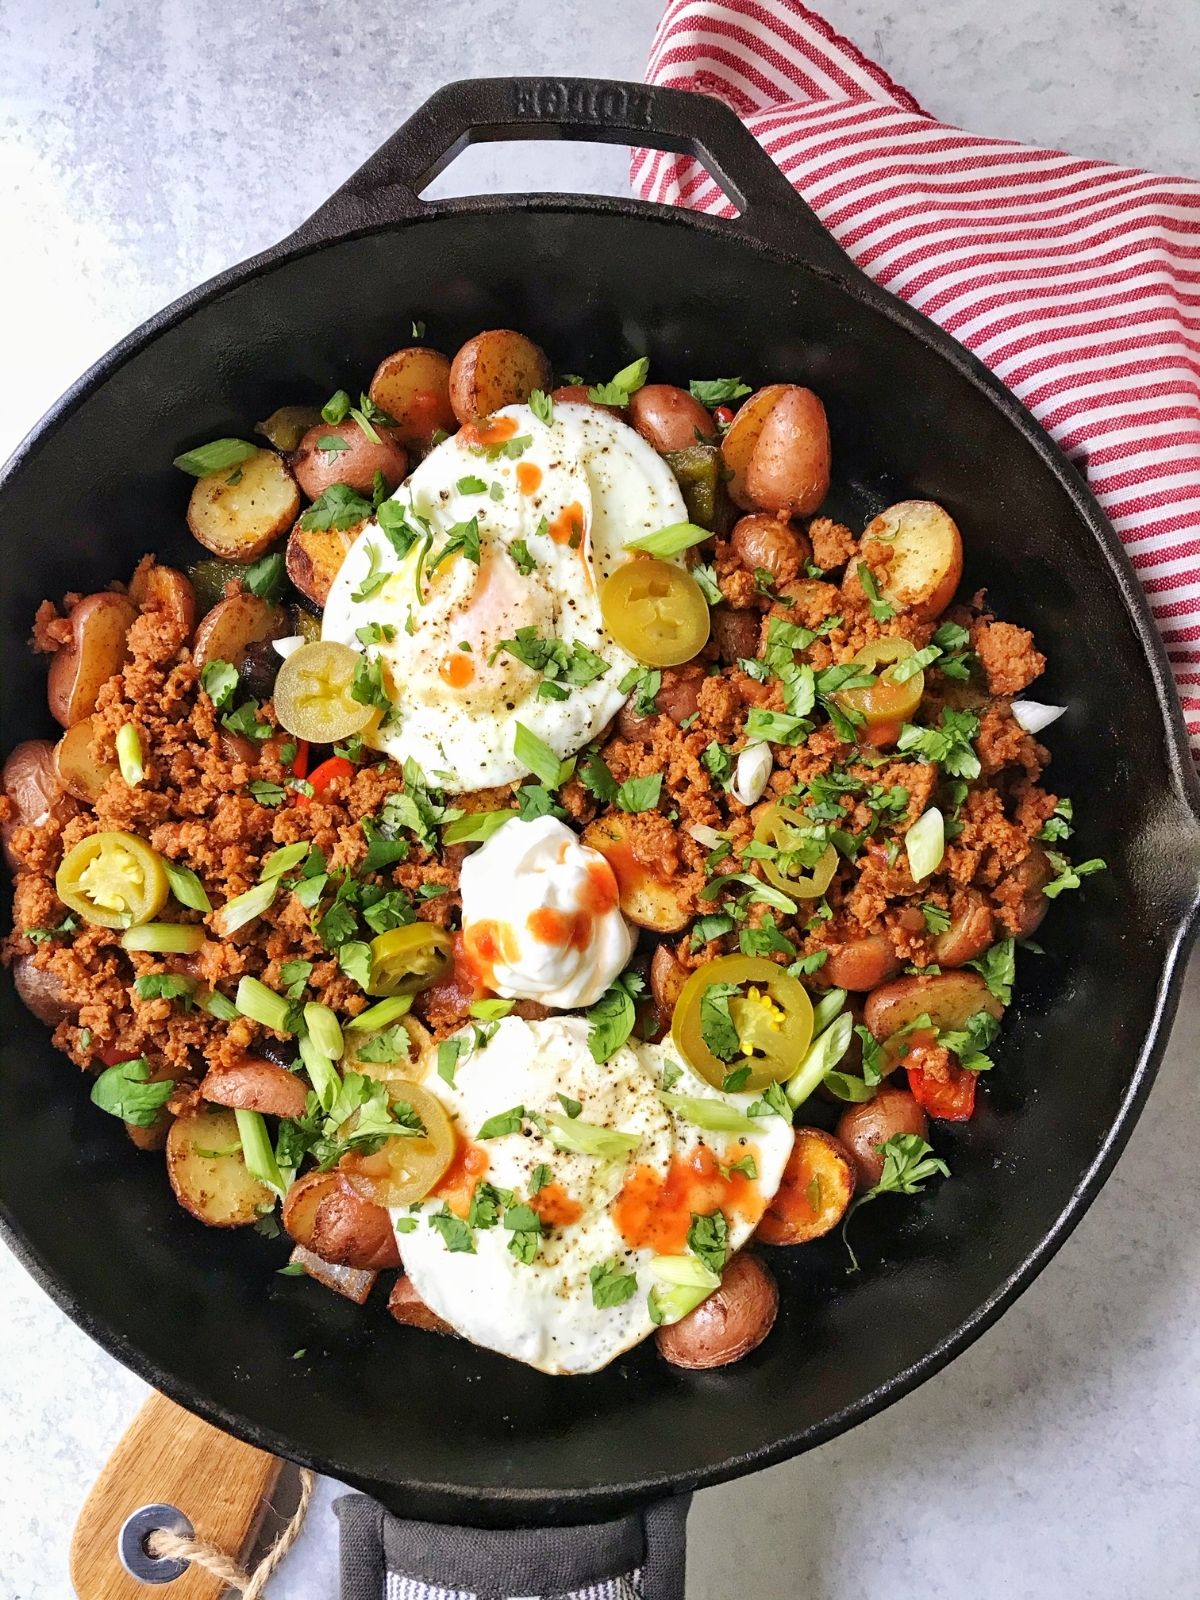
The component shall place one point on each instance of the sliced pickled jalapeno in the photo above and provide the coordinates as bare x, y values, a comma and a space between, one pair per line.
407, 1166
409, 959
803, 866
312, 693
113, 880
656, 611
885, 700
770, 1021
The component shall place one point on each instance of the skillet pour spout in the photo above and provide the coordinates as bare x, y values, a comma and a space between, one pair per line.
436, 1427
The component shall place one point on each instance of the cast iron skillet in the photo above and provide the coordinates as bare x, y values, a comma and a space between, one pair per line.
436, 1427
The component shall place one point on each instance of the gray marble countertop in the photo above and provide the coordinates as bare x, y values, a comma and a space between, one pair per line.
141, 150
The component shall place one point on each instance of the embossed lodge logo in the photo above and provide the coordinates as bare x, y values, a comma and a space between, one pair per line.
585, 102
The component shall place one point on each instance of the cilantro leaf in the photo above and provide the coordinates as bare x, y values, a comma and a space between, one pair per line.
597, 779
717, 1027
949, 745
774, 1103
640, 794
265, 576
502, 1123
337, 507
1069, 876
880, 609
624, 383
717, 391
611, 1019
708, 1238
219, 680
998, 968
456, 1235
125, 1091
611, 1286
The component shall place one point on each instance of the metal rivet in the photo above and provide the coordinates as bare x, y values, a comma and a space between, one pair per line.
131, 1543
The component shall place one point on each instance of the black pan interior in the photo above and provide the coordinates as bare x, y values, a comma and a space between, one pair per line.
437, 1426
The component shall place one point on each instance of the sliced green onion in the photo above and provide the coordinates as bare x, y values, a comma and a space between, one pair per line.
257, 1150
214, 457
531, 752
321, 1073
323, 1029
186, 886
925, 844
669, 541
490, 1010
826, 1009
216, 1004
716, 1116
586, 1139
243, 908
164, 938
683, 1282
260, 1004
826, 1050
281, 861
475, 827
129, 755
379, 1016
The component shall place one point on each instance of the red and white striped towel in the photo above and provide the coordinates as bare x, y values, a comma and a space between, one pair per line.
1077, 282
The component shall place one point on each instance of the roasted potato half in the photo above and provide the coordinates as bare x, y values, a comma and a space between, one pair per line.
741, 437
34, 790
950, 998
764, 543
353, 1283
255, 1085
669, 418
734, 1320
41, 992
98, 650
240, 514
80, 771
343, 453
326, 1216
208, 1173
494, 369
406, 1305
789, 467
233, 625
649, 900
926, 557
815, 1192
860, 963
413, 387
972, 929
314, 556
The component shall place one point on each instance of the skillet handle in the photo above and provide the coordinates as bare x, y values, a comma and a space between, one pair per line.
387, 187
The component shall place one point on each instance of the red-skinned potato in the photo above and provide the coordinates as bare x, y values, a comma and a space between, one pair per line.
576, 394
233, 625
741, 436
343, 453
1019, 893
668, 417
98, 650
255, 1085
860, 963
863, 1128
80, 771
790, 464
764, 543
208, 1172
326, 1216
406, 1305
352, 1283
667, 978
735, 633
926, 557
413, 387
497, 368
34, 791
41, 992
950, 998
972, 929
163, 589
734, 1320
814, 1193
239, 514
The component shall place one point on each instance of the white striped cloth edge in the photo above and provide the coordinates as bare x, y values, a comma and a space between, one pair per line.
401, 1587
1076, 281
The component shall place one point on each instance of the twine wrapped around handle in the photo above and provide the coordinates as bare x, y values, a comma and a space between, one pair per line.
165, 1545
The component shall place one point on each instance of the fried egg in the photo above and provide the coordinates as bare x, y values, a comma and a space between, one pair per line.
559, 1300
547, 509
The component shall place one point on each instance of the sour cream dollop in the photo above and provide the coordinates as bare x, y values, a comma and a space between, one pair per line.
540, 916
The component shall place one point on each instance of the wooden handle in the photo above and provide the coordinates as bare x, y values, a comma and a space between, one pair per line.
167, 1456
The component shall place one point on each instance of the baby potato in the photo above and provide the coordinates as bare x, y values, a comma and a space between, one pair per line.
239, 514
950, 998
670, 418
343, 453
814, 1193
860, 963
734, 1320
789, 465
41, 992
667, 978
971, 931
736, 633
1020, 893
80, 771
740, 438
406, 1305
765, 543
413, 387
863, 1128
162, 589
926, 557
576, 394
255, 1085
233, 625
98, 650
649, 900
326, 1216
34, 790
314, 556
494, 369
208, 1173
353, 1283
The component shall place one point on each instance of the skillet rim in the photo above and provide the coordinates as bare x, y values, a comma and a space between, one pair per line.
525, 1507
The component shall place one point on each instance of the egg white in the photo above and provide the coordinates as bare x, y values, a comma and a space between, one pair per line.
543, 1313
586, 458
